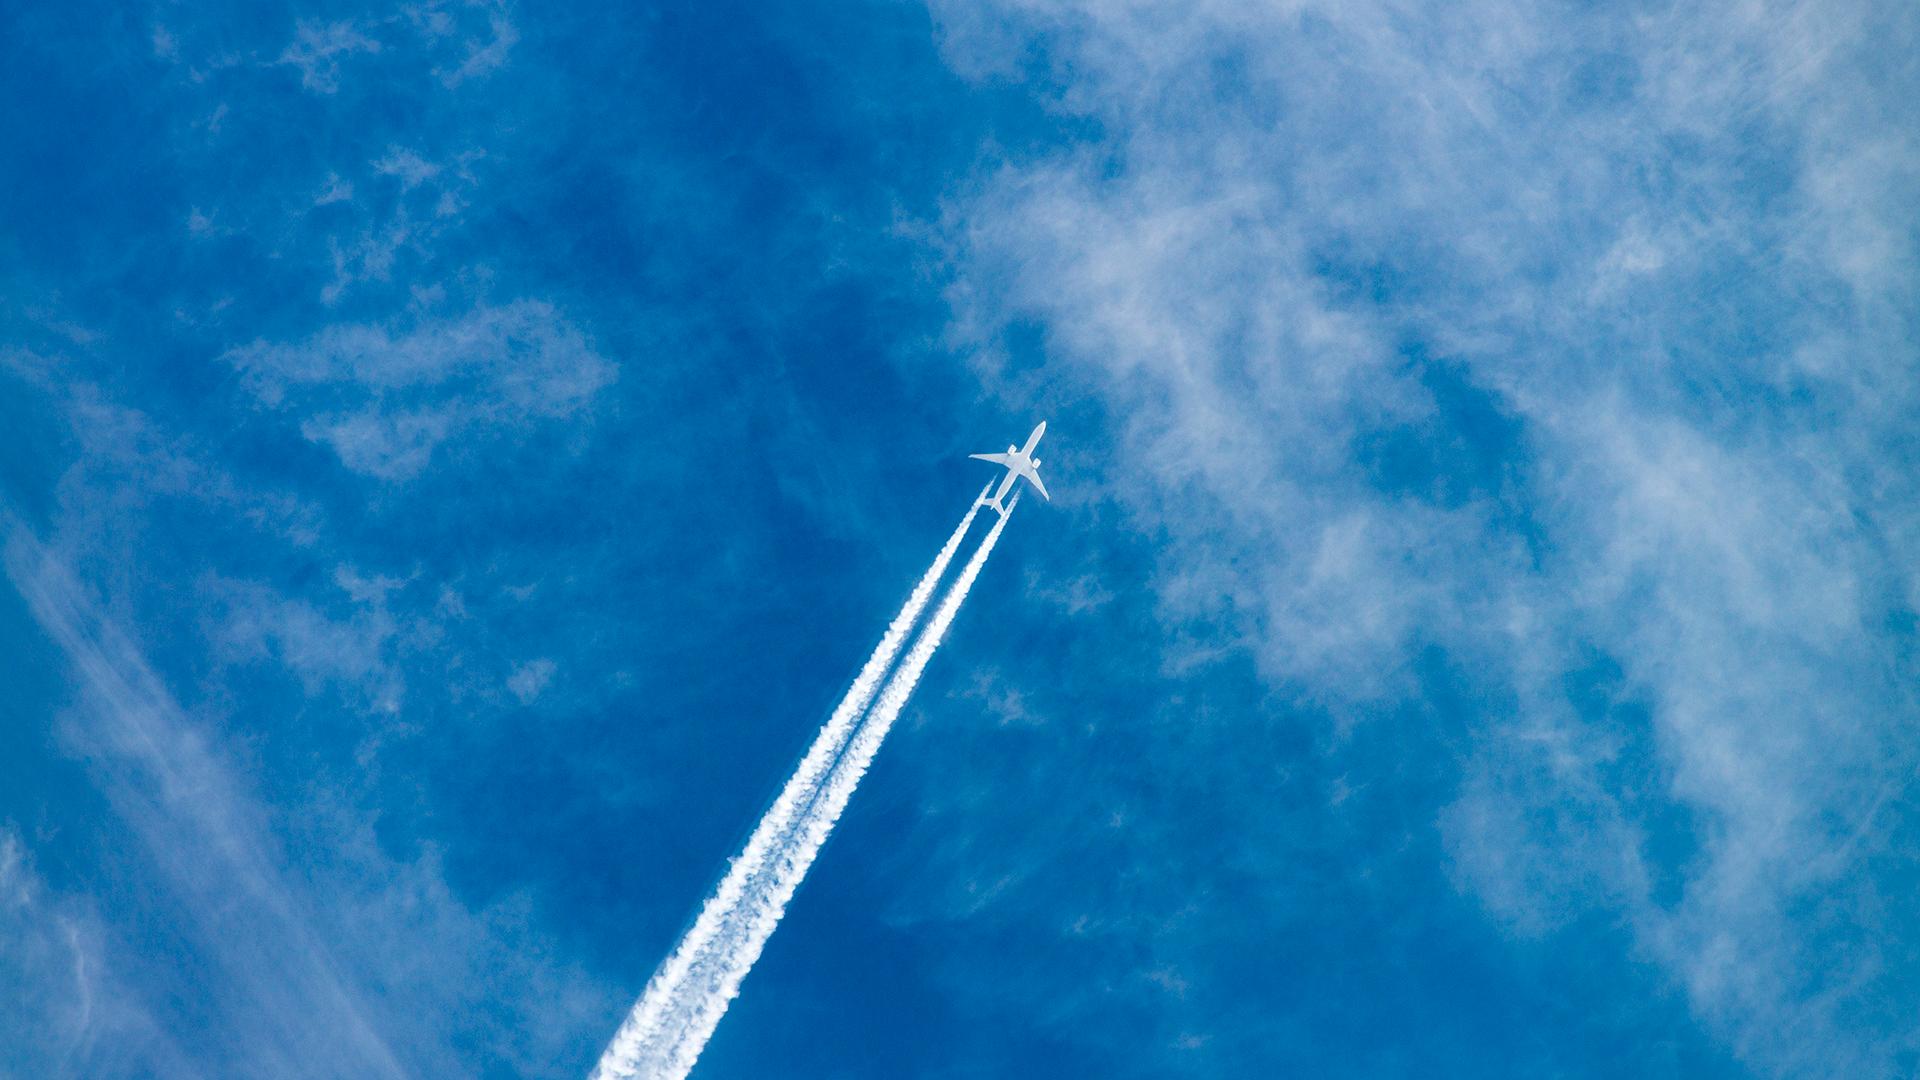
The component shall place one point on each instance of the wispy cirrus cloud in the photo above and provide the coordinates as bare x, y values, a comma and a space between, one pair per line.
1499, 335
58, 1001
483, 29
385, 398
467, 40
65, 1000
299, 1015
318, 49
303, 965
252, 622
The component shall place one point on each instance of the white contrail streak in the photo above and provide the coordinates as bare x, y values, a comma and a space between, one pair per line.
700, 977
671, 1055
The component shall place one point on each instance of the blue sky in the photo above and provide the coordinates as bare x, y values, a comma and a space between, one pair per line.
459, 453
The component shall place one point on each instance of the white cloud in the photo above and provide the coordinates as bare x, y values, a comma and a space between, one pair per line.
336, 190
485, 56
318, 952
350, 651
203, 837
483, 30
1571, 221
408, 166
318, 49
530, 678
386, 398
54, 978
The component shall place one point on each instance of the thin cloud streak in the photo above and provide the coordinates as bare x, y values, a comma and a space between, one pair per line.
300, 1015
686, 978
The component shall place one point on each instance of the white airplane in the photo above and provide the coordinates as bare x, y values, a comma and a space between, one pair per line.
1020, 464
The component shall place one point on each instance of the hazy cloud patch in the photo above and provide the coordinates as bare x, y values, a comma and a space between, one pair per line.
385, 398
530, 678
318, 49
1645, 439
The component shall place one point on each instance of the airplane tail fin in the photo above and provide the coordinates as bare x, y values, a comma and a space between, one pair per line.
998, 506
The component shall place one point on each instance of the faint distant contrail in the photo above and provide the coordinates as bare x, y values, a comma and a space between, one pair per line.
682, 1003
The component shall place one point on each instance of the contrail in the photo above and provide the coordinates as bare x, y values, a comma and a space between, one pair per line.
684, 1000
671, 1054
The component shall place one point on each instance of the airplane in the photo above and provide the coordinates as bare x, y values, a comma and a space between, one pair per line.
1019, 463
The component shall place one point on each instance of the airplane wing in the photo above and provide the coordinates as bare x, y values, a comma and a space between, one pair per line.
1002, 460
1033, 477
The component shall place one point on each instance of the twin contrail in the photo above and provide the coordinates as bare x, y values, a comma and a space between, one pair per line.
663, 1036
